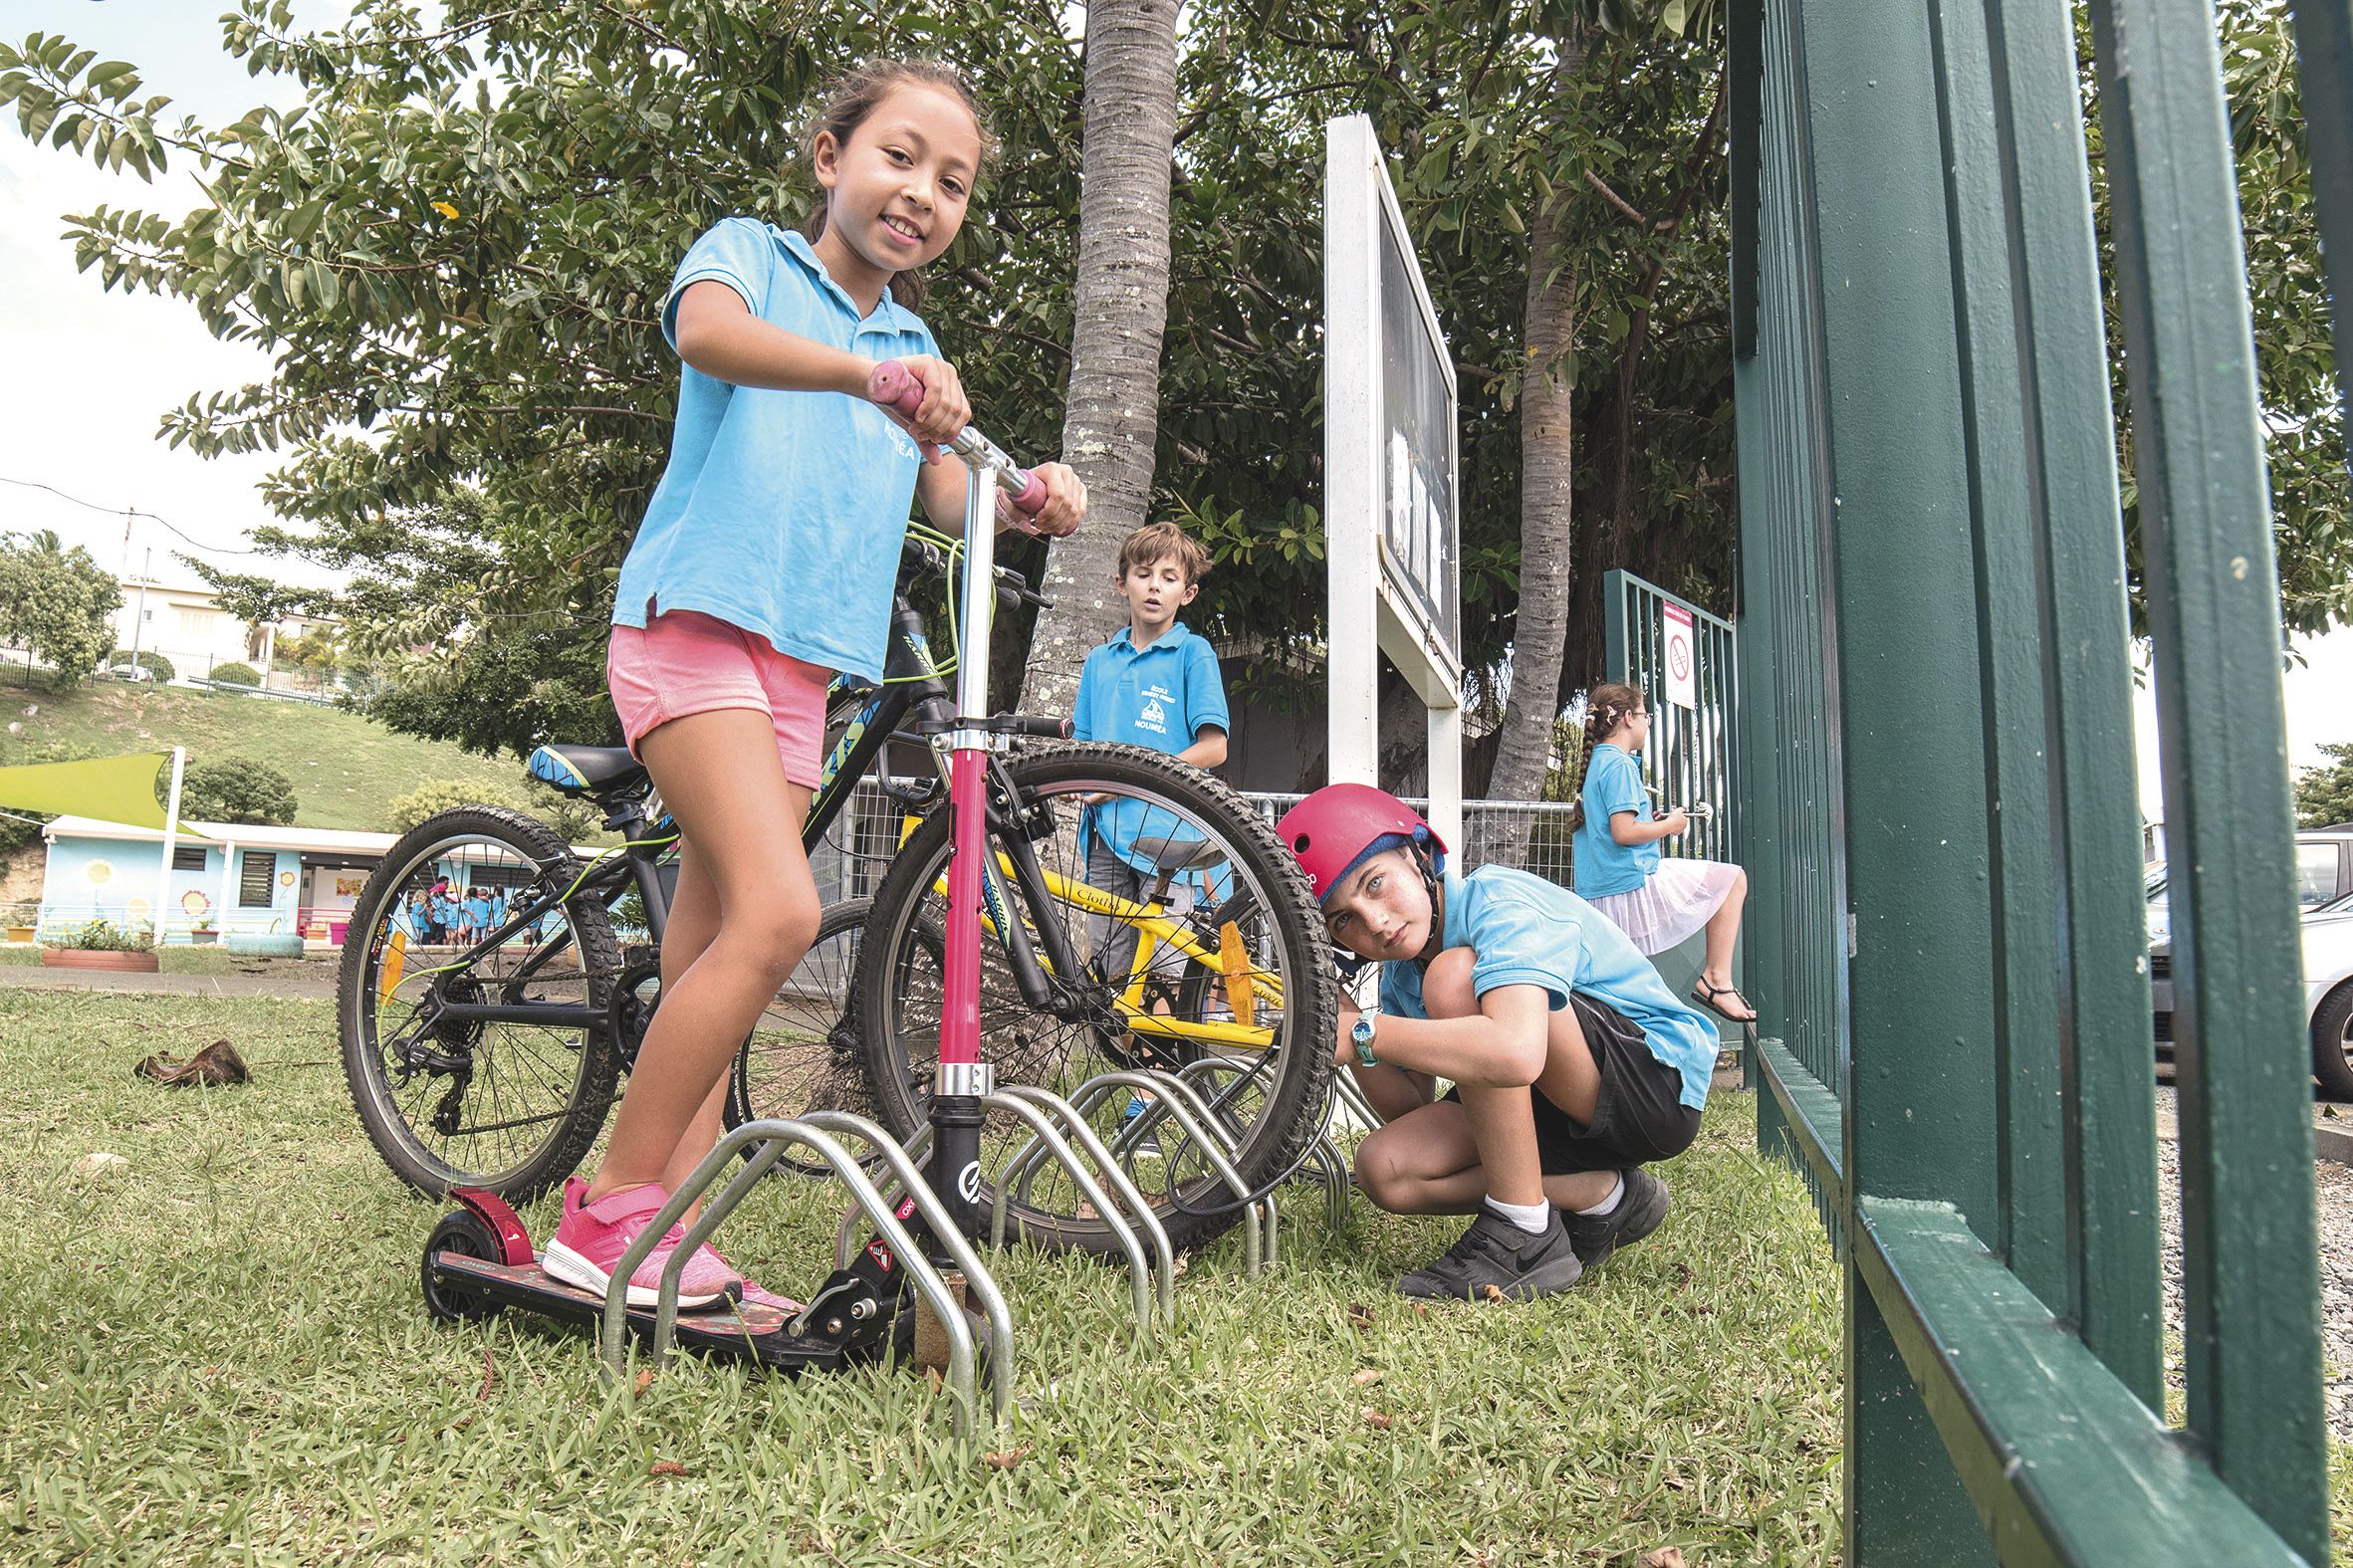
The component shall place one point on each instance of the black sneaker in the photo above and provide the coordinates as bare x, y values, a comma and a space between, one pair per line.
1640, 1209
1495, 1255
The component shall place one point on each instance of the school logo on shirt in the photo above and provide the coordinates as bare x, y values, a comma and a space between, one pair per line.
1154, 717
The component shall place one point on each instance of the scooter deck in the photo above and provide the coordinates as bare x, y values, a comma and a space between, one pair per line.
744, 1332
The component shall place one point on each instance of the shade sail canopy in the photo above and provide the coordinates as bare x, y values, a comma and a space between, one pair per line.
115, 788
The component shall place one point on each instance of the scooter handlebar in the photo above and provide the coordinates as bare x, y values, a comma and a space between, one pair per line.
900, 390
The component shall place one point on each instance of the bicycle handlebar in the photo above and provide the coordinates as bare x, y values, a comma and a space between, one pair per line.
898, 390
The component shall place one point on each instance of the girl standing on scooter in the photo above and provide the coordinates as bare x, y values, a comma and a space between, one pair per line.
1655, 901
764, 563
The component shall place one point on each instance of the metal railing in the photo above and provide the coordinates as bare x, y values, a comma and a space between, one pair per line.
1533, 835
1946, 927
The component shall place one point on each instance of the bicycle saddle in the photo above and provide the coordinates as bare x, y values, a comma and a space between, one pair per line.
1178, 854
587, 769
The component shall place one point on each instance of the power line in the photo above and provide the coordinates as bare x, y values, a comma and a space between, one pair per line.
127, 512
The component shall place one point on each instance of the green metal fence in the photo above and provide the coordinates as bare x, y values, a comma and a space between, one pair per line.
1691, 754
1945, 938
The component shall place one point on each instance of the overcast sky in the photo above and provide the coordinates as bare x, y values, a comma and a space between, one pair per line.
86, 374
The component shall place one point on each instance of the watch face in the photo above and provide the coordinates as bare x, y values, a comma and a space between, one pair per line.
1362, 1032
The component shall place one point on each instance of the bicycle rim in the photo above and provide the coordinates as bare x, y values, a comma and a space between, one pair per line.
510, 1105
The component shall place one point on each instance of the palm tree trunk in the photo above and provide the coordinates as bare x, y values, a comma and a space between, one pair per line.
1546, 466
1121, 297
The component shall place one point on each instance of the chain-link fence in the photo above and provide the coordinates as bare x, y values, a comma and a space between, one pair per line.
1529, 834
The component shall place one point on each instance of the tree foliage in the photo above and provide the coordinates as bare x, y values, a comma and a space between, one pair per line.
453, 248
59, 602
2324, 793
237, 789
2295, 363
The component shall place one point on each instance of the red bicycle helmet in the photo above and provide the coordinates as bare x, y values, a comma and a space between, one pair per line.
1339, 824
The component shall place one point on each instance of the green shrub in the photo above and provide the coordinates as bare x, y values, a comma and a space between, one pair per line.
436, 795
154, 664
238, 790
103, 936
237, 674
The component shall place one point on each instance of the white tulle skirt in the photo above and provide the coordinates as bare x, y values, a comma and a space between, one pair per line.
1675, 903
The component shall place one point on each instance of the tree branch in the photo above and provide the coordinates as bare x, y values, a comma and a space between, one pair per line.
1615, 199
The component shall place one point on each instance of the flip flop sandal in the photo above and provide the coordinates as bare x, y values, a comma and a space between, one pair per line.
1705, 995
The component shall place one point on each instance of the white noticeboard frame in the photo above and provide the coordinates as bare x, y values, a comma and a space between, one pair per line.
1391, 461
1680, 657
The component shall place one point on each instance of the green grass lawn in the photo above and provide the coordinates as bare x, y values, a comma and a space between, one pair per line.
217, 1348
347, 770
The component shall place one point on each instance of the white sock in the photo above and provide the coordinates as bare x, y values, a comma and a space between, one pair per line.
1534, 1219
1617, 1190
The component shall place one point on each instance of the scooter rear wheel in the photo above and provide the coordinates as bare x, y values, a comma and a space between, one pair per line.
464, 1232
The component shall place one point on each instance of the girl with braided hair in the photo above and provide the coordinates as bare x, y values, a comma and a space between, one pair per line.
1655, 901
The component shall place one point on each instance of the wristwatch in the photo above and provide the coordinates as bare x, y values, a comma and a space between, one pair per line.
1360, 1036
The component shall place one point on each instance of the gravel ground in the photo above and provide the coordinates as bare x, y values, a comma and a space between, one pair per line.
2333, 1184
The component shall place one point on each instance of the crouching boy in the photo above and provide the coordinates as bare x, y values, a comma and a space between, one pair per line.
1573, 1066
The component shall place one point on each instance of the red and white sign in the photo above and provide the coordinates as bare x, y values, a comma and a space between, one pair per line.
1681, 658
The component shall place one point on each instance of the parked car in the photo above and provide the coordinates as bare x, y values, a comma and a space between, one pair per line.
131, 672
2327, 941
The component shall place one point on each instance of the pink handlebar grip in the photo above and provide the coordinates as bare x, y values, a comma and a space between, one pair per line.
898, 390
894, 387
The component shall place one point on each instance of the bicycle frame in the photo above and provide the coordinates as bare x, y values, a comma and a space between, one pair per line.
910, 681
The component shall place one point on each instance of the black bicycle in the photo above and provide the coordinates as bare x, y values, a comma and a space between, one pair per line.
1139, 914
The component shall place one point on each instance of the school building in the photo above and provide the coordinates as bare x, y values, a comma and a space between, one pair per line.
225, 876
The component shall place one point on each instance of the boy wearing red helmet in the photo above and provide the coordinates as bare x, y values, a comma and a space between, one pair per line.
1573, 1066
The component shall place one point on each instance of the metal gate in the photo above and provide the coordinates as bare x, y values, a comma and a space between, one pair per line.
1946, 937
1691, 753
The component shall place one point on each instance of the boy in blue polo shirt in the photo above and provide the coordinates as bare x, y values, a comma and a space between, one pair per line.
1154, 685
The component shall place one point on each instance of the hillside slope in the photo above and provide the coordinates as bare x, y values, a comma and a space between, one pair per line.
347, 770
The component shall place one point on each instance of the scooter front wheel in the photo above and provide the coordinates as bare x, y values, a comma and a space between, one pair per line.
465, 1234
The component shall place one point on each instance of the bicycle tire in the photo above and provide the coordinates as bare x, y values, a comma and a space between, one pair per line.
571, 1077
896, 1014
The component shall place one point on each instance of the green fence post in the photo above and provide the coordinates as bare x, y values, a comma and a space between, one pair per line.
2250, 1272
2070, 441
1919, 1102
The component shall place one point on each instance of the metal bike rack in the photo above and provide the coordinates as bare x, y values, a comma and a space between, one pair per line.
918, 1151
1201, 1076
775, 1136
1032, 1106
1352, 1099
1173, 1099
1145, 1281
908, 1180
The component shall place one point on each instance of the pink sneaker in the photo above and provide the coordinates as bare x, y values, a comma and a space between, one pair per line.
753, 1294
593, 1238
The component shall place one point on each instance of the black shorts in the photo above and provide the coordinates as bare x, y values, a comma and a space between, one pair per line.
1639, 1115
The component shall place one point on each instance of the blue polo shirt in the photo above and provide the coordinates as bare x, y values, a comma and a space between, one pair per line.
1159, 697
1526, 931
478, 910
781, 513
1613, 784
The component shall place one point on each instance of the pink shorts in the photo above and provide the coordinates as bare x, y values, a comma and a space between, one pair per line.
684, 662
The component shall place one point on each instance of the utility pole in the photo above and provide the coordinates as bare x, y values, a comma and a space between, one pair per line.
139, 617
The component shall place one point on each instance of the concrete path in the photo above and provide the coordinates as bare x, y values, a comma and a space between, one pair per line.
300, 978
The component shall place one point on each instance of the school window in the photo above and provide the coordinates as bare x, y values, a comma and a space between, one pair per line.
259, 882
187, 857
488, 877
